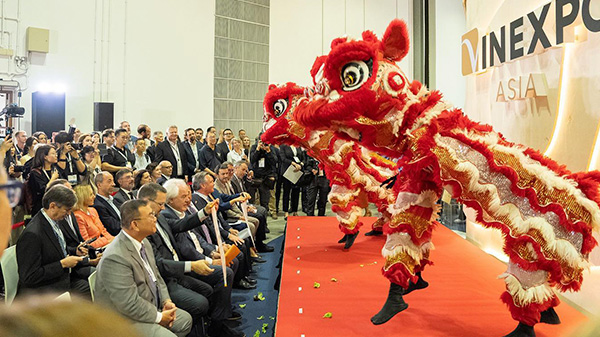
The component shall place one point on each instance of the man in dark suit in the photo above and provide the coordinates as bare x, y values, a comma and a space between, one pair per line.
191, 282
126, 183
290, 156
225, 146
166, 170
192, 149
172, 150
42, 256
240, 170
108, 211
178, 194
204, 186
128, 280
73, 239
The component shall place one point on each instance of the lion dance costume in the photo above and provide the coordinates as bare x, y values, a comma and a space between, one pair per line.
545, 212
355, 173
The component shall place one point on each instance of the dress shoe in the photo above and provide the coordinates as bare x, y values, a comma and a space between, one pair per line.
224, 329
258, 260
274, 216
264, 249
234, 316
250, 280
243, 284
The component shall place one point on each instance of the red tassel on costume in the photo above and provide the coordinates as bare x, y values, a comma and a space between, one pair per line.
529, 314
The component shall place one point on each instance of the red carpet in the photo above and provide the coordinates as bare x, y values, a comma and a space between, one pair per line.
461, 300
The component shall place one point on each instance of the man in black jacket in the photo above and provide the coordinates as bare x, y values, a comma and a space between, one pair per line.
109, 213
204, 190
173, 150
192, 149
42, 256
263, 163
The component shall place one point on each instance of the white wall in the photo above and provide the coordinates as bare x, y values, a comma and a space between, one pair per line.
152, 59
450, 25
301, 30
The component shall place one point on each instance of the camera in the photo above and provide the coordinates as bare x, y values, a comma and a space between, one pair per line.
13, 110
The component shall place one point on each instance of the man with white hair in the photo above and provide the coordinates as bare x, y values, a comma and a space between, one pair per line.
170, 258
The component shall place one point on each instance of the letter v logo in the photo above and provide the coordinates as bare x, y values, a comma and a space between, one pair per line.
470, 42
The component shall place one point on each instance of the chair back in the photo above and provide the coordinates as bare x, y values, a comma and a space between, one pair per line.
92, 282
10, 272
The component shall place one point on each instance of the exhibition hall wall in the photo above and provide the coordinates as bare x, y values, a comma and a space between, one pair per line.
150, 58
301, 30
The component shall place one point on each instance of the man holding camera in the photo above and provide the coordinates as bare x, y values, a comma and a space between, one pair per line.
70, 165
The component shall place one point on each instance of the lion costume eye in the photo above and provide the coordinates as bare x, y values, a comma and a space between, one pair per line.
355, 73
280, 106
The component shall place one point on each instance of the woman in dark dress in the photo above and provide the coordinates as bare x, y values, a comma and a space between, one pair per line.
43, 171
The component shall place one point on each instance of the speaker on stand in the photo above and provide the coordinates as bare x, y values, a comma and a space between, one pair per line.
103, 115
47, 112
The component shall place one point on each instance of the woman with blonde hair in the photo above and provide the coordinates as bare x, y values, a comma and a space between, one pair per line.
237, 153
88, 220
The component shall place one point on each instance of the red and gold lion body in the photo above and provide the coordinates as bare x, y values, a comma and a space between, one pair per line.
545, 212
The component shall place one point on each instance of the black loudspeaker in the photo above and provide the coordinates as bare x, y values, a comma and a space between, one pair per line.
47, 112
103, 115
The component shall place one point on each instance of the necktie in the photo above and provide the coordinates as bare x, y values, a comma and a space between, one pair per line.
206, 233
167, 241
196, 242
153, 286
115, 208
61, 239
130, 194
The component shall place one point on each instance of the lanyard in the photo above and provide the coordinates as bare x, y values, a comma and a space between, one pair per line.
122, 155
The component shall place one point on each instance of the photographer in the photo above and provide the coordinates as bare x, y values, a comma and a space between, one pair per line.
70, 165
263, 164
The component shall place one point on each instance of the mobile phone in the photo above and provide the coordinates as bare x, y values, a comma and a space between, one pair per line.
19, 168
90, 240
102, 149
92, 253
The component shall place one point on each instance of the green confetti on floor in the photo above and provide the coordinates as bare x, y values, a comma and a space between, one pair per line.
257, 333
317, 285
327, 315
264, 327
242, 306
260, 317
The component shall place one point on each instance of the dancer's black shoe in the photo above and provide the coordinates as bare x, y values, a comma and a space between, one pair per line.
421, 284
522, 330
350, 240
343, 239
374, 232
393, 305
549, 316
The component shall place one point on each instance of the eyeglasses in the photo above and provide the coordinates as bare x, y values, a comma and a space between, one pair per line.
14, 190
150, 215
161, 204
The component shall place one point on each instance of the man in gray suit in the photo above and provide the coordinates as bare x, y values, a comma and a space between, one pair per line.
128, 280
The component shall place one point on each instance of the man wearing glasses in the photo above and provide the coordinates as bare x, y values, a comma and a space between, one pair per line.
42, 256
128, 279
